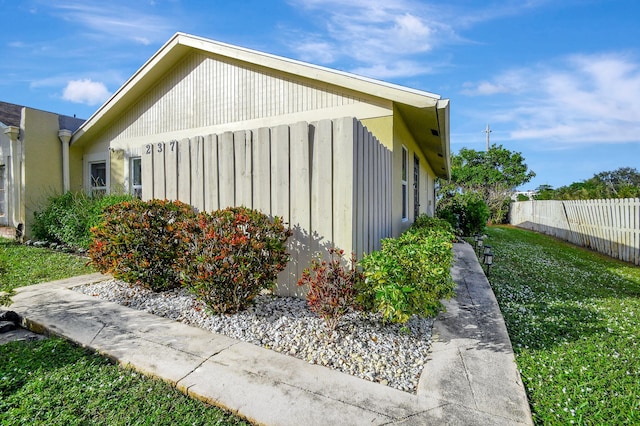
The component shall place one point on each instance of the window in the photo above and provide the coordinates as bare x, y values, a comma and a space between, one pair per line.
98, 177
405, 189
96, 172
136, 176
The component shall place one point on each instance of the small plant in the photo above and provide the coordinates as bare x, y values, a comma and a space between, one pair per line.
237, 252
140, 242
410, 274
332, 286
68, 218
467, 212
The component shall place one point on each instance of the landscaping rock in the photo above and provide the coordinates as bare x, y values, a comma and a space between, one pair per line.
7, 326
9, 316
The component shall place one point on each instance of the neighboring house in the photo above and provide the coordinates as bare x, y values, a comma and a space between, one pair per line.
32, 152
346, 160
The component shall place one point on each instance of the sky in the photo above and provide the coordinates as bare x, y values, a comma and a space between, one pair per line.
558, 81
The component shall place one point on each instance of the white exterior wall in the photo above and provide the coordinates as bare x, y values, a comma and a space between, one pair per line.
205, 95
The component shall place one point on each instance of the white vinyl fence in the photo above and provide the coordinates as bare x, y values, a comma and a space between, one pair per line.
611, 227
330, 180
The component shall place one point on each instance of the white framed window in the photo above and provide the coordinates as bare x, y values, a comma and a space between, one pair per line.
405, 186
135, 176
96, 173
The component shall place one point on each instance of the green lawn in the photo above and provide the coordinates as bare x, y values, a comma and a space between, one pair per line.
21, 265
52, 382
573, 318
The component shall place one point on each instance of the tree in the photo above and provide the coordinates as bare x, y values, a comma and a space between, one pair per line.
492, 174
620, 183
545, 192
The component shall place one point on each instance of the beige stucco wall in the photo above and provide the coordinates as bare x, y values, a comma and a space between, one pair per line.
402, 137
75, 168
42, 161
116, 171
392, 131
382, 128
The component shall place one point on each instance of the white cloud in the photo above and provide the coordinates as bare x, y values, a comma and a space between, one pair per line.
379, 34
393, 69
315, 51
583, 99
117, 21
86, 92
381, 39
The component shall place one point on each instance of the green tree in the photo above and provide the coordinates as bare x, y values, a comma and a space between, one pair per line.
545, 192
623, 182
492, 174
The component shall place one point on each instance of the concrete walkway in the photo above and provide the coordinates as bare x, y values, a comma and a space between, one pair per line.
470, 377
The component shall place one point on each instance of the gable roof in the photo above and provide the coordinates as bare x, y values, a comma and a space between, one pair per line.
417, 107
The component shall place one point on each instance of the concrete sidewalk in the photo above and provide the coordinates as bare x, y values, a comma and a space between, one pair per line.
470, 377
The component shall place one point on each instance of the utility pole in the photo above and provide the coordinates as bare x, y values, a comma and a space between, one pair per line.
488, 132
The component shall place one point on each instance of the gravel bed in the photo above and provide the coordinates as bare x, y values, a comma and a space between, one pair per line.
361, 346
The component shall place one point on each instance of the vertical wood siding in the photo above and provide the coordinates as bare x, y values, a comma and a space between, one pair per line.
326, 179
201, 91
611, 227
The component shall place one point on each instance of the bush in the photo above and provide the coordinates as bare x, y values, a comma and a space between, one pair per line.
238, 252
332, 286
68, 218
467, 212
140, 242
410, 274
429, 225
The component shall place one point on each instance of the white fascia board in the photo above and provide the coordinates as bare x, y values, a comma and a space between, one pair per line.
445, 141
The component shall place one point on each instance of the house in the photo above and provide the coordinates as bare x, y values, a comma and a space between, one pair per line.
33, 147
346, 160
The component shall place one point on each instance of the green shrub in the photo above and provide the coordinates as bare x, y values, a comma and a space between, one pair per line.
428, 225
140, 242
467, 212
410, 274
68, 218
332, 286
237, 252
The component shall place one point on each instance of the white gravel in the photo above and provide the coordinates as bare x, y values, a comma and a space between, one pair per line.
362, 345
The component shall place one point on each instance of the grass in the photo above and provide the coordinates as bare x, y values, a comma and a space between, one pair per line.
572, 316
22, 265
52, 382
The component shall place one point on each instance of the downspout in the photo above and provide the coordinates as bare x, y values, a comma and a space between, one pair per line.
15, 174
65, 136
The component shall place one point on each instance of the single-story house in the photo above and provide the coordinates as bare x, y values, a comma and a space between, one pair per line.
346, 160
33, 145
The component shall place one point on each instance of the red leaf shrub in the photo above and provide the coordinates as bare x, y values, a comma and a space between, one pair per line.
139, 242
237, 252
332, 286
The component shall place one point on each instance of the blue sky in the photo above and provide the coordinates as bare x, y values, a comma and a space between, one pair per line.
558, 81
